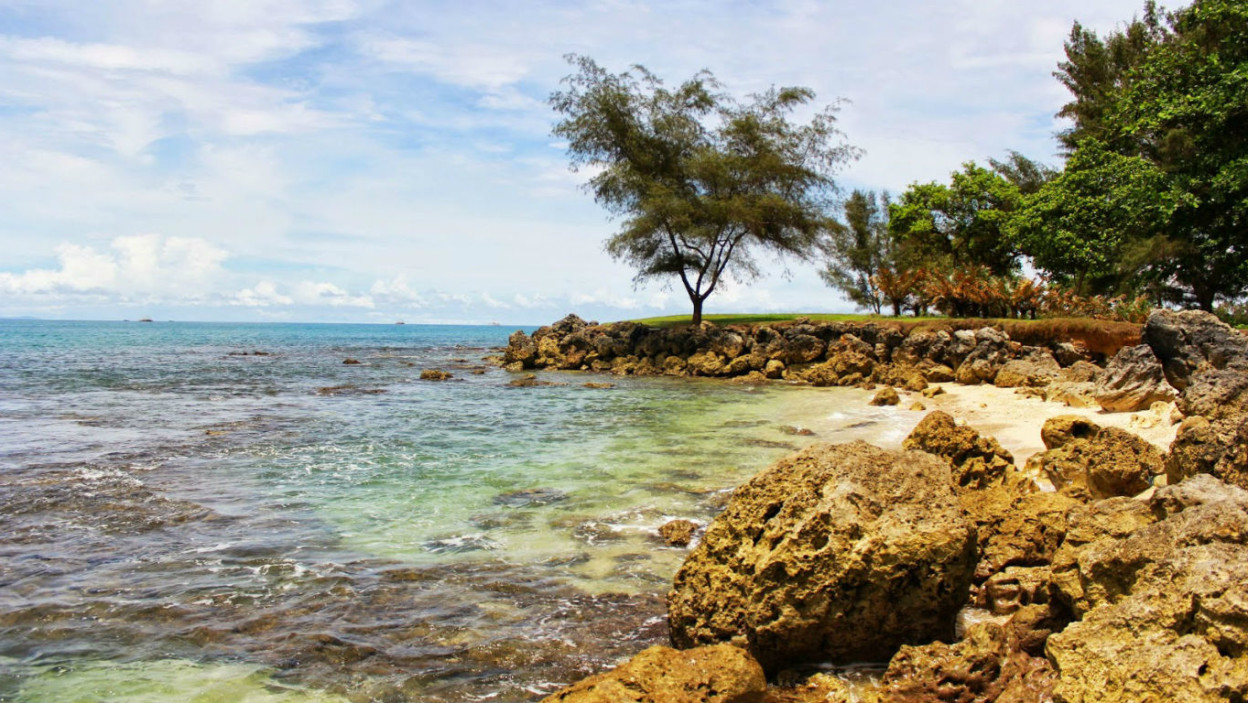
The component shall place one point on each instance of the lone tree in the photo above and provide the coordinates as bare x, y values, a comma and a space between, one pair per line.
702, 181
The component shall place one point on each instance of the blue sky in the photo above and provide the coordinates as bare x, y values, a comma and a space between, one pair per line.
363, 160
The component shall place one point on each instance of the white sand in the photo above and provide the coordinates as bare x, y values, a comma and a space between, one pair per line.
1015, 420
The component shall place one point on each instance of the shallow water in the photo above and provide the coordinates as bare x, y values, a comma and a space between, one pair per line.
182, 519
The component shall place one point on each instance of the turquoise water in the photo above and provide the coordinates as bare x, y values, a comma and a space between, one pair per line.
184, 519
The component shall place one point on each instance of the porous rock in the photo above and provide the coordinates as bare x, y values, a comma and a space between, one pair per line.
1133, 380
1089, 462
839, 552
987, 666
977, 461
1036, 368
715, 674
1162, 591
1189, 342
886, 396
678, 533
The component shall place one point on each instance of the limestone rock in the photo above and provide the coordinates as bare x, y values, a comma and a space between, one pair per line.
1163, 596
435, 375
987, 666
716, 674
838, 553
1189, 342
1089, 462
1037, 368
520, 350
678, 533
990, 354
977, 461
1132, 381
802, 349
1016, 529
1202, 447
886, 396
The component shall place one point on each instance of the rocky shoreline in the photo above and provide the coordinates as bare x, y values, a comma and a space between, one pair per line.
1127, 582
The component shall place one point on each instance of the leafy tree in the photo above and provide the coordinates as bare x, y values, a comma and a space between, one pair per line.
946, 227
1029, 176
860, 249
1097, 71
702, 181
1169, 95
1079, 227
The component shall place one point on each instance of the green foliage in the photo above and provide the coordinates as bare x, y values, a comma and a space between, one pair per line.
702, 181
961, 224
1077, 228
860, 249
1168, 96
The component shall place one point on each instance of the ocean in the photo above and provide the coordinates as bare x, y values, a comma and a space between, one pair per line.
218, 512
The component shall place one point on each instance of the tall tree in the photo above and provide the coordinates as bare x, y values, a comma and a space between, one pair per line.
704, 182
859, 250
1170, 90
1097, 70
958, 225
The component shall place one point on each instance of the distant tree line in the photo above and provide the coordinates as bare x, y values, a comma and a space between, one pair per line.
1150, 208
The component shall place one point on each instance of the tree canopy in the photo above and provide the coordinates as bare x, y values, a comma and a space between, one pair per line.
860, 250
703, 182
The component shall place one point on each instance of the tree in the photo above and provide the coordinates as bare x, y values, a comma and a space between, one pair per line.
702, 181
945, 227
860, 249
1170, 91
1080, 227
1027, 175
1097, 71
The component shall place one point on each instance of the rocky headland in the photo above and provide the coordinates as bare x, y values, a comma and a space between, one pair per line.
1103, 569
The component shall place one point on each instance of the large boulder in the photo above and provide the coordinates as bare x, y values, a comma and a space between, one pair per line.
840, 553
1132, 381
1189, 342
977, 462
1089, 462
991, 352
1162, 590
1036, 368
716, 674
1218, 448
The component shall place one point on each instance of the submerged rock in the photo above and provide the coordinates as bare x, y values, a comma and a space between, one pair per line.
715, 674
838, 553
436, 375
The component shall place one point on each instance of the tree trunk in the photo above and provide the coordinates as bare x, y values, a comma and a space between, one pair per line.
697, 310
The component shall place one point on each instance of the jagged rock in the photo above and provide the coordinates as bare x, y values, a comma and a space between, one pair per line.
991, 352
1162, 588
1132, 381
678, 533
802, 349
1015, 528
1081, 372
520, 350
1068, 354
706, 363
987, 666
938, 373
1200, 447
1089, 462
933, 391
977, 462
838, 553
1063, 429
918, 407
436, 375
1017, 587
1037, 368
1190, 342
924, 345
886, 396
774, 369
714, 674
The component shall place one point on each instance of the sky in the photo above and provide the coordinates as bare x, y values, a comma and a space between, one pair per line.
373, 161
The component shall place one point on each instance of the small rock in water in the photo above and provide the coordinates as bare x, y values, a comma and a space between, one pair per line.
678, 533
350, 362
529, 497
796, 431
596, 385
435, 375
459, 544
348, 390
531, 381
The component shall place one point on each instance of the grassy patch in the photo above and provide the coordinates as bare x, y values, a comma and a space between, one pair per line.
764, 318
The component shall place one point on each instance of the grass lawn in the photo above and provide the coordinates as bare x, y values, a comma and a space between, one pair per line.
764, 318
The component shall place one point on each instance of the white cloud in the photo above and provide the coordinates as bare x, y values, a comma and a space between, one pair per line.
323, 293
263, 294
148, 264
